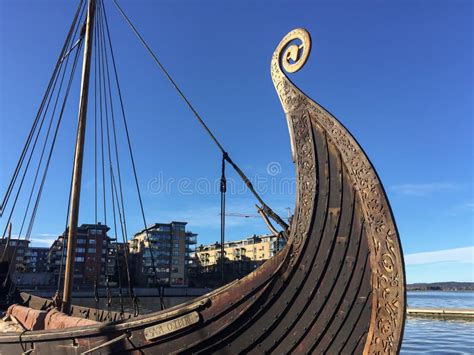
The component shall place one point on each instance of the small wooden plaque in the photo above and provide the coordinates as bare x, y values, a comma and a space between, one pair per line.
171, 326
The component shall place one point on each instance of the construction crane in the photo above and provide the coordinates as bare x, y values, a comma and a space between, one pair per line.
233, 214
260, 214
252, 215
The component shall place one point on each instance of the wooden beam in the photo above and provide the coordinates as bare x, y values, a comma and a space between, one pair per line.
78, 159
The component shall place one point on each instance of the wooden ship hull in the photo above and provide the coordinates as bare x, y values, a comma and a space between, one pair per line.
338, 285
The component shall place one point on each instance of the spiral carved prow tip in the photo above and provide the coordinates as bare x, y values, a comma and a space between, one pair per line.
290, 56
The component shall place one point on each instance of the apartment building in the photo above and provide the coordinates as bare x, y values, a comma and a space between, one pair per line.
239, 256
36, 259
94, 259
169, 247
14, 250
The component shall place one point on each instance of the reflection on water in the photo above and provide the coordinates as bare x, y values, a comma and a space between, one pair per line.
438, 336
435, 336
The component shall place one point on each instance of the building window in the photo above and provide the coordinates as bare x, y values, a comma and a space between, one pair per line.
80, 250
81, 241
91, 250
91, 241
179, 227
79, 259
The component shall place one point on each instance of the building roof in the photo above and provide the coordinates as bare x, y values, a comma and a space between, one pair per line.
231, 243
95, 226
21, 240
158, 224
40, 248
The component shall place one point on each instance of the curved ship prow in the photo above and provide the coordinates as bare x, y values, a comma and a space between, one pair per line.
363, 257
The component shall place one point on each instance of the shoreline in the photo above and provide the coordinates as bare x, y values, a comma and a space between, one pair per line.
445, 313
433, 290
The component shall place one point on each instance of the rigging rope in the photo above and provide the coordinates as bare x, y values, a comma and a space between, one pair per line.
57, 298
113, 120
95, 126
131, 292
96, 64
38, 197
47, 100
123, 223
106, 79
101, 120
13, 258
44, 145
40, 110
31, 156
117, 262
102, 107
71, 49
247, 182
149, 241
108, 91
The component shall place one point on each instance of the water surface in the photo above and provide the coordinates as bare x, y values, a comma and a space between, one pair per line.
440, 299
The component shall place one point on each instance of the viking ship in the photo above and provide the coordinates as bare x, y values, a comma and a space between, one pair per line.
337, 286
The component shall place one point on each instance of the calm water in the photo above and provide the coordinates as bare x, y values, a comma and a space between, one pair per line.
436, 336
437, 299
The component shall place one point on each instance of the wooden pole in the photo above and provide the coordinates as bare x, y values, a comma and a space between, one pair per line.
7, 242
223, 191
78, 159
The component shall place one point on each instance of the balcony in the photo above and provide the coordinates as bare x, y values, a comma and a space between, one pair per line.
191, 240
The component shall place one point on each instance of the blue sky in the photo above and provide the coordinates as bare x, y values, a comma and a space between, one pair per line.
399, 76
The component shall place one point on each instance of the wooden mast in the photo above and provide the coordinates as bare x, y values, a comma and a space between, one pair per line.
78, 159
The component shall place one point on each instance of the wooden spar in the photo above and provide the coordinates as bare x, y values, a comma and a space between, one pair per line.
78, 159
7, 243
